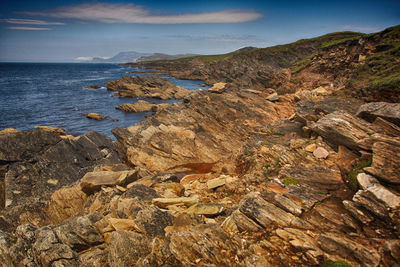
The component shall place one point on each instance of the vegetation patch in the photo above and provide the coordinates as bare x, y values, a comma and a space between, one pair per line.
290, 181
336, 264
355, 171
341, 41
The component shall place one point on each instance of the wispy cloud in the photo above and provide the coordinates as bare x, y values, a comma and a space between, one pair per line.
354, 28
222, 38
129, 13
30, 22
28, 28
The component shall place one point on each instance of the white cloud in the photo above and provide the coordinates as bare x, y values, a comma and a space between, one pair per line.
28, 28
129, 13
30, 22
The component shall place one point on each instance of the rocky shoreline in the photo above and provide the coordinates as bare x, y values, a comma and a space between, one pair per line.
232, 176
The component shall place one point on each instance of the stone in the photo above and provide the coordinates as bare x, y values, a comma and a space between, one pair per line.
95, 116
206, 209
78, 233
217, 88
387, 111
9, 131
321, 153
148, 87
320, 91
94, 86
140, 106
386, 161
389, 128
284, 203
95, 256
65, 203
217, 182
126, 248
391, 252
93, 181
311, 148
371, 184
341, 128
273, 97
152, 221
165, 202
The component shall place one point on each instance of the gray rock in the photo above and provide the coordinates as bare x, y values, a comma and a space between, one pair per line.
126, 248
387, 111
341, 128
152, 221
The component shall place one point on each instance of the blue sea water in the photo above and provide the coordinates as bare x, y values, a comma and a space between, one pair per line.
57, 94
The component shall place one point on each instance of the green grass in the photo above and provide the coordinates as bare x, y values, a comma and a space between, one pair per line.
336, 264
267, 166
290, 181
352, 177
341, 41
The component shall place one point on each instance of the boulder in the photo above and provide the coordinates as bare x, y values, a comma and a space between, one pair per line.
387, 111
321, 153
206, 209
94, 86
152, 221
341, 128
218, 88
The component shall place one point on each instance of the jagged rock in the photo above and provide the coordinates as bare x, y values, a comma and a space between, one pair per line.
140, 106
147, 86
8, 131
126, 248
386, 161
238, 222
59, 131
267, 214
348, 249
321, 153
358, 212
387, 111
391, 252
160, 255
284, 203
206, 245
94, 257
152, 221
370, 184
65, 203
273, 97
79, 233
95, 116
341, 128
39, 162
93, 181
123, 224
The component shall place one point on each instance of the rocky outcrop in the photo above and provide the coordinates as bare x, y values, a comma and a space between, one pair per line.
36, 163
140, 106
95, 116
147, 87
169, 141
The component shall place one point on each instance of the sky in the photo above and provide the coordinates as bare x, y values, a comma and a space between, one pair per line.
66, 30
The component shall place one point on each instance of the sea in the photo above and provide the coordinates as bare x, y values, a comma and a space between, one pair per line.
57, 94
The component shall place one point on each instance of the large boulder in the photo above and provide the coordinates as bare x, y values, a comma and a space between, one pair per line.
34, 164
341, 128
387, 111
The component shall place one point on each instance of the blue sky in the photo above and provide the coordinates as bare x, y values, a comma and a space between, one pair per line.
63, 30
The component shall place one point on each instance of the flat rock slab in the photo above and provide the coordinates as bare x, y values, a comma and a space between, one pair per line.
207, 209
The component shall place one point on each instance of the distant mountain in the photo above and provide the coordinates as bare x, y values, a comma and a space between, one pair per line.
160, 56
245, 49
121, 57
